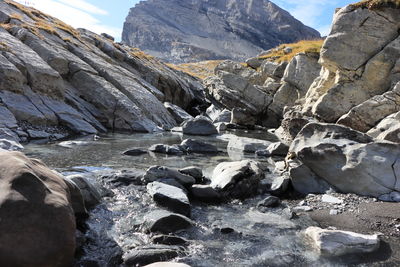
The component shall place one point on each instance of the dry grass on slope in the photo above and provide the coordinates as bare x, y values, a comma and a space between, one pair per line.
278, 54
375, 4
199, 70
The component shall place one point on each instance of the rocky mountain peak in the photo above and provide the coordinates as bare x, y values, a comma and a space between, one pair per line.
194, 30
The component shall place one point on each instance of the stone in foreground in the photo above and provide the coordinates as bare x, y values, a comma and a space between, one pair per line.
171, 197
334, 243
37, 219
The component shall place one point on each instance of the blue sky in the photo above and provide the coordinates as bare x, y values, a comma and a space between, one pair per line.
109, 15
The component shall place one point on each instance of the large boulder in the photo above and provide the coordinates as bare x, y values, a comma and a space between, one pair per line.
237, 179
199, 126
349, 161
37, 219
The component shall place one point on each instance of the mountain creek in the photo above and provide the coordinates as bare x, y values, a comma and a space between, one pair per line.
236, 233
111, 157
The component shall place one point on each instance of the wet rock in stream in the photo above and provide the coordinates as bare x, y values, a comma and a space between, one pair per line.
162, 221
171, 197
151, 254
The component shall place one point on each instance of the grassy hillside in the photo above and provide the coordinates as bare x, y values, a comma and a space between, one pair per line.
374, 4
278, 54
200, 70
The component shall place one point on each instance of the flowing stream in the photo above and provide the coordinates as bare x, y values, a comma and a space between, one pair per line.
269, 238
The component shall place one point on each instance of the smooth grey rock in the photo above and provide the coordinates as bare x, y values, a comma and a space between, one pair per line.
165, 222
90, 194
247, 145
205, 193
237, 179
7, 119
197, 146
199, 126
335, 243
278, 149
254, 62
269, 202
171, 197
336, 153
10, 145
242, 117
224, 116
155, 173
179, 114
306, 181
38, 134
195, 172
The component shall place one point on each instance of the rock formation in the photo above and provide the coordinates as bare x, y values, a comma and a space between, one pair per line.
195, 30
63, 81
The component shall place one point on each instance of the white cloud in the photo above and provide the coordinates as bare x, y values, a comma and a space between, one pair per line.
77, 13
85, 6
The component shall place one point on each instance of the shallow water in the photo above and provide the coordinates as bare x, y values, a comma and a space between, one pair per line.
259, 239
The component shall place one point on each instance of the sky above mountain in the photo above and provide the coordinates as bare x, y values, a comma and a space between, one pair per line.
109, 15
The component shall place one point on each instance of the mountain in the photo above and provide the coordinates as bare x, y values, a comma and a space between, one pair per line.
194, 30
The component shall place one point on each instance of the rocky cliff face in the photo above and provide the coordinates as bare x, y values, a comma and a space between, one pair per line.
195, 30
338, 109
55, 79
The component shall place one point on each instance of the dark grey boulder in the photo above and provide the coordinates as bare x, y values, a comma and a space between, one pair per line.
205, 193
124, 177
197, 146
193, 171
169, 240
269, 202
155, 173
90, 194
165, 222
135, 152
199, 126
170, 197
146, 255
166, 149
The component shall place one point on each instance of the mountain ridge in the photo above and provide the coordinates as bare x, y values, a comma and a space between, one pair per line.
228, 29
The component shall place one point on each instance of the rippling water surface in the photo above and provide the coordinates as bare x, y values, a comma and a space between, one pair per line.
259, 239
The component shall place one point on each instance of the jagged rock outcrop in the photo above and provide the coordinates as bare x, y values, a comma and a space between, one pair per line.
360, 59
58, 79
195, 30
263, 95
